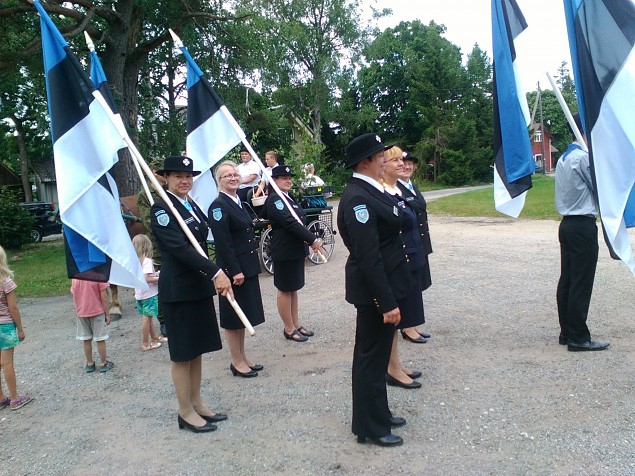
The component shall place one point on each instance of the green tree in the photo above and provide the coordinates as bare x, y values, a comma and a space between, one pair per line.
125, 32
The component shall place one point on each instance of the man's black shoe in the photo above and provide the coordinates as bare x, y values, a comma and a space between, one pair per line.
397, 421
388, 440
588, 345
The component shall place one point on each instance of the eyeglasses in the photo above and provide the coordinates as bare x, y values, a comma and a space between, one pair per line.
230, 176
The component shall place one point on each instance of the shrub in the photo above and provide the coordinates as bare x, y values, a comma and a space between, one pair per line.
16, 223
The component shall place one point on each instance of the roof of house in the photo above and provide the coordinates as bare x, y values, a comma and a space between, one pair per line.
7, 176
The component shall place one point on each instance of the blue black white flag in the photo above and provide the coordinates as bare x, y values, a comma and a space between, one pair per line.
513, 159
601, 40
211, 131
85, 145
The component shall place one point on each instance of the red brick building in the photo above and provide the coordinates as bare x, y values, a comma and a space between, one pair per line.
541, 145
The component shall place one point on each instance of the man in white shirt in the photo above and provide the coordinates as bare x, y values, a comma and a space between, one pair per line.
249, 173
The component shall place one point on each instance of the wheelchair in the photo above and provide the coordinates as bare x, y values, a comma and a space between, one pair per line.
319, 218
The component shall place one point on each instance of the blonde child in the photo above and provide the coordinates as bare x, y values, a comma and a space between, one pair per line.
11, 334
92, 310
147, 301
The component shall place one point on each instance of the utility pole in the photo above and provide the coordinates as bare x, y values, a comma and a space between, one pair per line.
542, 133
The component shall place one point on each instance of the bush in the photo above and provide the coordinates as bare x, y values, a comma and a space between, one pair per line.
16, 223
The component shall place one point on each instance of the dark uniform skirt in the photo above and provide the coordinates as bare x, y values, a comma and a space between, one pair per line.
426, 278
411, 306
192, 328
288, 275
250, 301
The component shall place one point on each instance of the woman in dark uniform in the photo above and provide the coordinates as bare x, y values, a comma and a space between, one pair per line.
237, 255
411, 306
186, 287
289, 240
414, 198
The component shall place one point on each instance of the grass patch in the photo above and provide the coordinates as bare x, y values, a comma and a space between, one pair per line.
539, 204
40, 269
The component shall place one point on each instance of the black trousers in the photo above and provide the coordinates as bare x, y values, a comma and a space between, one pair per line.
373, 342
578, 237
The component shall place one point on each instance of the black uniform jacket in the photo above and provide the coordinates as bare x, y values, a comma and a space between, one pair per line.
185, 274
288, 237
236, 244
370, 226
418, 204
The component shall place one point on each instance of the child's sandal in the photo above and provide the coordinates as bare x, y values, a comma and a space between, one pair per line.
152, 346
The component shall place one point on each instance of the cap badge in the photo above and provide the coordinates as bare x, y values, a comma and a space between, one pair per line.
186, 162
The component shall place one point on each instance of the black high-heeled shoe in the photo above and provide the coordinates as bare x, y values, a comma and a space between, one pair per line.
235, 372
418, 340
183, 425
214, 418
257, 367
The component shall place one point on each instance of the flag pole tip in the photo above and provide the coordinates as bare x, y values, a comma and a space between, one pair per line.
89, 42
175, 38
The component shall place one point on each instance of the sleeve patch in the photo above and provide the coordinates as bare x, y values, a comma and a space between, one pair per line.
163, 219
217, 214
361, 213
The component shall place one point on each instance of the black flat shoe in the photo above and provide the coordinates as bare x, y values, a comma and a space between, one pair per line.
397, 421
295, 336
585, 346
235, 372
214, 418
388, 440
393, 382
415, 374
418, 340
305, 332
183, 425
425, 335
257, 367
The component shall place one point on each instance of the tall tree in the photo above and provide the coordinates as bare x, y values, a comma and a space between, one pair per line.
126, 31
306, 45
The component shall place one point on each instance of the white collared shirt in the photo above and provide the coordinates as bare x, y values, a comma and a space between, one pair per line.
369, 180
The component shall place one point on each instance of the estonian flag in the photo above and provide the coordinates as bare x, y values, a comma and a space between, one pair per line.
85, 145
513, 159
211, 131
601, 40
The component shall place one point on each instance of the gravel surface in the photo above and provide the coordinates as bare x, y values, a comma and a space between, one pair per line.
499, 395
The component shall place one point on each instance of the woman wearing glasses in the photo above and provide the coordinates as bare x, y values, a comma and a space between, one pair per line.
237, 255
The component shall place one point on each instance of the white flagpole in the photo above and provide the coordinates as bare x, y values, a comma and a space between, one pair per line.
567, 112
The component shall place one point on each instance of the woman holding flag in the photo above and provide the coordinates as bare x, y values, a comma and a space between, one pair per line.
186, 287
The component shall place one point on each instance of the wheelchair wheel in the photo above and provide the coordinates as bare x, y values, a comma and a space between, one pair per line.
323, 231
264, 251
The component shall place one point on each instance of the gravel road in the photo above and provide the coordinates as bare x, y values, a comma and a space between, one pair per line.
499, 395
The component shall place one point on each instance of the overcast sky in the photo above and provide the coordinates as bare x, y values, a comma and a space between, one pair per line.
541, 47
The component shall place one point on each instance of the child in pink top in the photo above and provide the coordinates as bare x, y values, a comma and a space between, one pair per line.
11, 334
91, 308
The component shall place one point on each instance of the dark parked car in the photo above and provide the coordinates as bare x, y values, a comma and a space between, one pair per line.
45, 219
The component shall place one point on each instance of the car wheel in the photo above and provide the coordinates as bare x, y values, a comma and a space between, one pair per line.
36, 235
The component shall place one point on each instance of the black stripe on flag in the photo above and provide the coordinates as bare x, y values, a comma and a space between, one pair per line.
72, 90
608, 41
202, 103
521, 185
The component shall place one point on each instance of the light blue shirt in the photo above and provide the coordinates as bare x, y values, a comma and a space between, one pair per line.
574, 186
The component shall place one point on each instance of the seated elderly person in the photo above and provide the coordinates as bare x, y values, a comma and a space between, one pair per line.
310, 179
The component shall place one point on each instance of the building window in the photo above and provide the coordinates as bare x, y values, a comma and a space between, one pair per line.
538, 136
